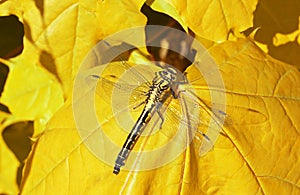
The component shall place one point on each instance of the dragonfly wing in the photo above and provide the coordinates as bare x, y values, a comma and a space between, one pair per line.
114, 91
121, 83
124, 88
201, 123
130, 73
218, 109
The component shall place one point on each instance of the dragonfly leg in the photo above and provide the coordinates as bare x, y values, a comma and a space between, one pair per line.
161, 117
135, 107
176, 91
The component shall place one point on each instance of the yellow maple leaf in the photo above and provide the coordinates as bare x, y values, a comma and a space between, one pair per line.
257, 151
213, 20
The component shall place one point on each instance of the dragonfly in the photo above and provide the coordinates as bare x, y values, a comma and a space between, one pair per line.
152, 88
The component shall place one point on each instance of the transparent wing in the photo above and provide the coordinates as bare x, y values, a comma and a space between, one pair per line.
208, 87
217, 106
107, 89
210, 126
119, 82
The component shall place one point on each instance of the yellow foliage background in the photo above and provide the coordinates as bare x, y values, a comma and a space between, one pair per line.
256, 45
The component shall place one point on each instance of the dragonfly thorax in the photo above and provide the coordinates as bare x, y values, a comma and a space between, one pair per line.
164, 79
168, 74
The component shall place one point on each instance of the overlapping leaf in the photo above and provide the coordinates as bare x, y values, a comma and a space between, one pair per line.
213, 20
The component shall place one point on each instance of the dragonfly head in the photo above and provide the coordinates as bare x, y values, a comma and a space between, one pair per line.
168, 74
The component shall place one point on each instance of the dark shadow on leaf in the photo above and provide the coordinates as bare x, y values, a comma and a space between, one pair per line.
40, 5
3, 76
277, 16
28, 31
11, 36
174, 39
48, 62
118, 49
289, 52
2, 1
4, 108
17, 138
